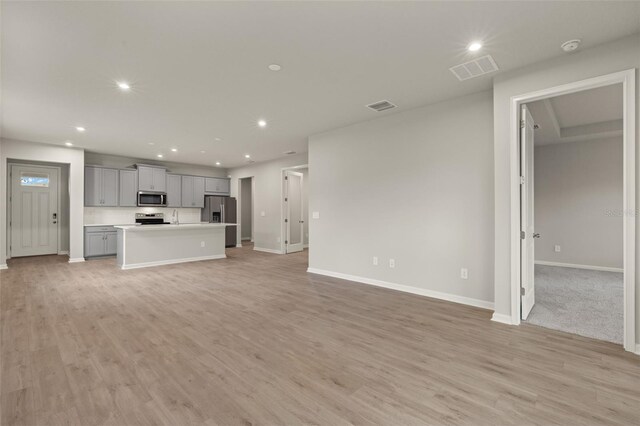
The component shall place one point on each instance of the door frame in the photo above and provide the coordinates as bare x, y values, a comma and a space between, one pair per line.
10, 166
628, 80
283, 206
240, 204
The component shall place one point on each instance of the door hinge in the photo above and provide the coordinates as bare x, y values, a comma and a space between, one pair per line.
521, 180
522, 235
286, 220
522, 124
523, 291
286, 199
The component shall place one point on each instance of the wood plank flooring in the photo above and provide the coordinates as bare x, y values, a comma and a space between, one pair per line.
255, 340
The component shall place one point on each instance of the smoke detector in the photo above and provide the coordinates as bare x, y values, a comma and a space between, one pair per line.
571, 45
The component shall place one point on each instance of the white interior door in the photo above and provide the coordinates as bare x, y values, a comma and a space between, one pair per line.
294, 212
34, 210
526, 210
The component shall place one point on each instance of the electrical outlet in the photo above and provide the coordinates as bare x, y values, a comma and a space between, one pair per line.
464, 273
556, 248
375, 260
392, 263
201, 243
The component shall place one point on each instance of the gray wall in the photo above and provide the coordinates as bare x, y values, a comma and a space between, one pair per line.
608, 58
267, 187
246, 212
578, 201
416, 186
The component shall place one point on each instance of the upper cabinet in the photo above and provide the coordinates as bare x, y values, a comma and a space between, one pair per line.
128, 188
192, 191
152, 179
217, 186
174, 190
100, 187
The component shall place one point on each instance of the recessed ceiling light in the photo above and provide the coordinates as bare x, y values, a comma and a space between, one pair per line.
124, 85
160, 155
174, 149
275, 67
217, 139
247, 156
151, 143
67, 143
217, 163
475, 46
80, 129
202, 152
262, 123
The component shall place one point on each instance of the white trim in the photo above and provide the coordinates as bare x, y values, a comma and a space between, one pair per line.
627, 78
239, 245
572, 265
76, 260
501, 318
305, 246
245, 239
266, 250
406, 289
637, 351
63, 253
172, 261
4, 266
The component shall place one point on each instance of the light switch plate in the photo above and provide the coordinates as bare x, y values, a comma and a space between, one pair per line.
316, 215
556, 248
263, 214
464, 273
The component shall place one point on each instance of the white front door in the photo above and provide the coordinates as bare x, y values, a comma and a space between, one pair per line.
294, 212
34, 210
526, 210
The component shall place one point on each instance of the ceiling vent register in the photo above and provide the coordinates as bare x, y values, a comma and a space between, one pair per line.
381, 106
475, 68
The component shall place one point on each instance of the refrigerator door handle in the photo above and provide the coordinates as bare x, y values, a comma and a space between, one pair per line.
222, 213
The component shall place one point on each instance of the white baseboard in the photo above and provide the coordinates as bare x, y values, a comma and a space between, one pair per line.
571, 265
266, 250
637, 352
239, 245
4, 266
173, 261
306, 246
245, 239
501, 318
76, 260
405, 288
63, 252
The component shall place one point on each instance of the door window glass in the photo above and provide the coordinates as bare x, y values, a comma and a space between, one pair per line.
31, 179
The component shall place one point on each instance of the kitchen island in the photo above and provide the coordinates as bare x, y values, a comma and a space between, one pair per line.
141, 246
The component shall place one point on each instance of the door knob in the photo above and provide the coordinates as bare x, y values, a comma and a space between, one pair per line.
536, 235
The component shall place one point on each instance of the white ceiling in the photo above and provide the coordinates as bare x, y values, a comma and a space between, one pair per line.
199, 69
586, 115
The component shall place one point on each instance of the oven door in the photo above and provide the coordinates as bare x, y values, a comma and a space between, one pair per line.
152, 199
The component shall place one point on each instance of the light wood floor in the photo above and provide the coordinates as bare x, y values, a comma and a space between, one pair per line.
254, 339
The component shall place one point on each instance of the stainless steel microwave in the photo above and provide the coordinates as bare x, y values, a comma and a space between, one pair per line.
152, 199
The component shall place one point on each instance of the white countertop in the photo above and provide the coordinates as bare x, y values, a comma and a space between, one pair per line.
110, 224
180, 226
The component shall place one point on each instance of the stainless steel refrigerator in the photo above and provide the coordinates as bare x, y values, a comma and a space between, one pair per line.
221, 210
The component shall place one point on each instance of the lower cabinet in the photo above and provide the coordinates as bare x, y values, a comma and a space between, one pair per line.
100, 241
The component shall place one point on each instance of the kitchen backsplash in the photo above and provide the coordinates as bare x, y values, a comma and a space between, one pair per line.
126, 215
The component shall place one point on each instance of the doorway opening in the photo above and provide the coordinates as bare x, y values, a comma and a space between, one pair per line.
246, 210
584, 213
572, 198
37, 208
295, 209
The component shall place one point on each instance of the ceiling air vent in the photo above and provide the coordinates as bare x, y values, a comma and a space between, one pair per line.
475, 68
381, 106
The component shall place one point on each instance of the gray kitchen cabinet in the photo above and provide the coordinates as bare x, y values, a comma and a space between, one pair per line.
192, 191
217, 186
174, 190
151, 178
128, 188
100, 241
101, 187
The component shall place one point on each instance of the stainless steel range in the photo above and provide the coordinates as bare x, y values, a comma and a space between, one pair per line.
150, 219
